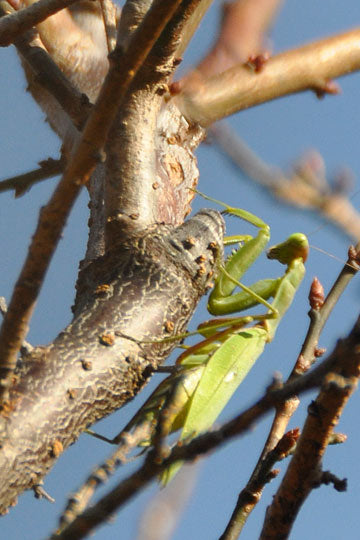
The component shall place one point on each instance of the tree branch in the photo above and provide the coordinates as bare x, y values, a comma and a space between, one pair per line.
128, 301
310, 67
54, 215
323, 416
23, 182
305, 187
48, 75
242, 35
135, 153
11, 26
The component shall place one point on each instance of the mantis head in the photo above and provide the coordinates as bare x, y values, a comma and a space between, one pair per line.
296, 246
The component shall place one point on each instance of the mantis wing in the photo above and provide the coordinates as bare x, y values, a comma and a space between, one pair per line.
224, 371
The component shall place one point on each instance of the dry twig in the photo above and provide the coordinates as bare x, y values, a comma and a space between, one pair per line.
305, 187
23, 182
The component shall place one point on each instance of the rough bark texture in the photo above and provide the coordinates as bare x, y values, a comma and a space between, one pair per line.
143, 290
139, 284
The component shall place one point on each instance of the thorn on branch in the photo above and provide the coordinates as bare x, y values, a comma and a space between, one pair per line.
271, 475
3, 306
276, 383
337, 438
319, 351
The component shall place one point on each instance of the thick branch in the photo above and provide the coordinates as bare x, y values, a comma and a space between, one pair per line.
139, 145
310, 67
143, 290
53, 217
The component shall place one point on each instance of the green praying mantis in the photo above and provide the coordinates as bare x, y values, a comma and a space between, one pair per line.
207, 374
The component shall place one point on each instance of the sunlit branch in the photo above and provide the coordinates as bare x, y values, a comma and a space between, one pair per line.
11, 26
48, 74
242, 34
88, 152
311, 67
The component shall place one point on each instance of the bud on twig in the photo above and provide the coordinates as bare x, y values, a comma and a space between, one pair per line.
316, 295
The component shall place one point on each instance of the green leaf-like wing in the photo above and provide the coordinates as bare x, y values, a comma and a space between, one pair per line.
225, 370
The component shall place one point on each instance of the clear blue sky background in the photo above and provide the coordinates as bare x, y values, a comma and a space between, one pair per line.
280, 132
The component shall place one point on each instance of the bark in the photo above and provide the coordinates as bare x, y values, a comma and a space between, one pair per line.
143, 290
139, 288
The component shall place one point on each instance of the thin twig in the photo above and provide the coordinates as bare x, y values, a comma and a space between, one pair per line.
318, 427
88, 152
304, 472
78, 501
251, 494
23, 182
310, 67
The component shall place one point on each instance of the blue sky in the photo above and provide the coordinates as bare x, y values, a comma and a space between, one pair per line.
280, 132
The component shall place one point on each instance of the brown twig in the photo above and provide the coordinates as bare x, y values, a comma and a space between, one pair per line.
23, 182
14, 24
305, 187
304, 472
88, 152
79, 500
310, 67
319, 313
334, 403
345, 358
109, 14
